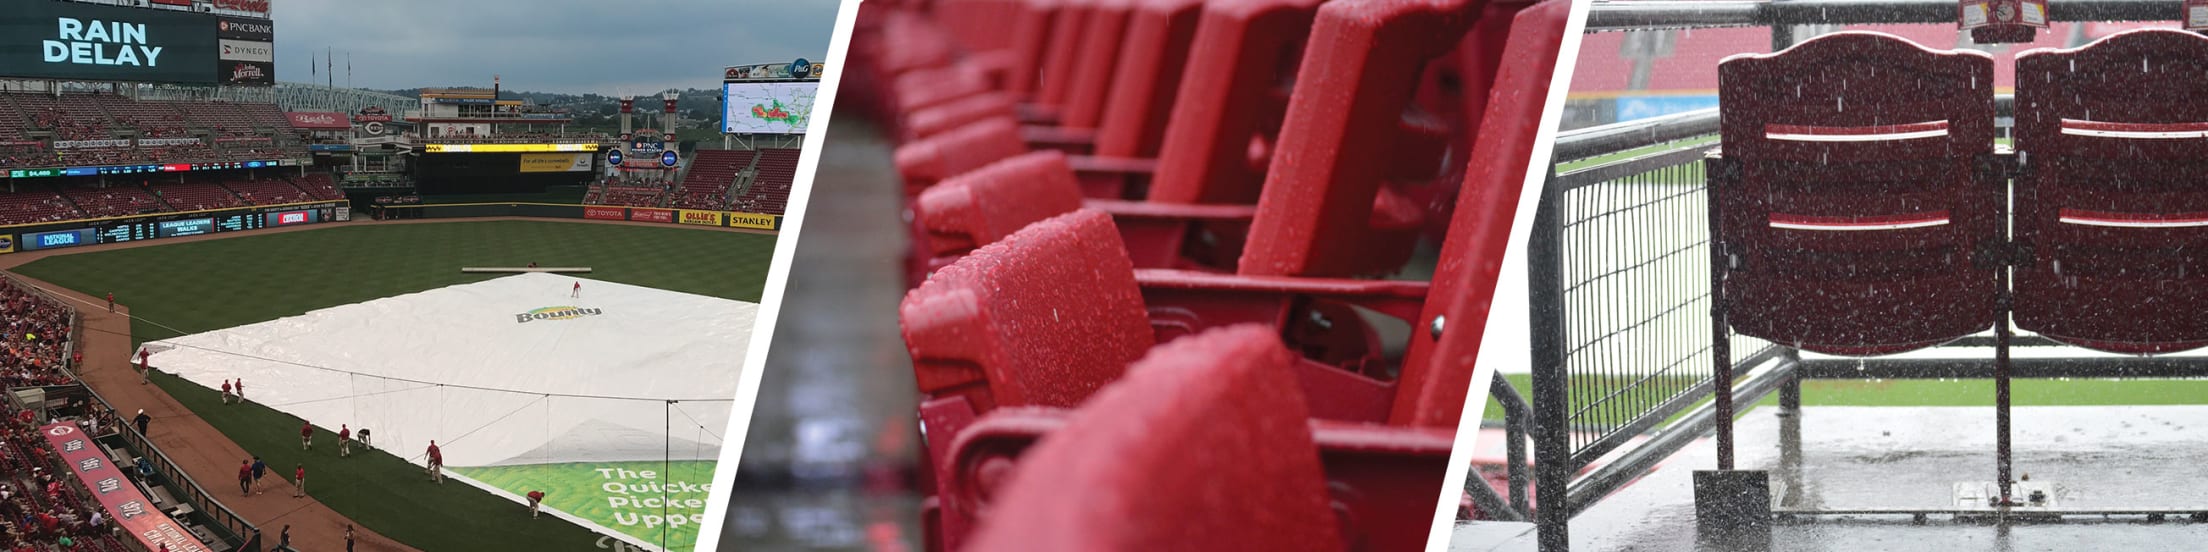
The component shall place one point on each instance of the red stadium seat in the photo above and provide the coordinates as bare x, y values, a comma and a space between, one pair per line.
1855, 222
1125, 473
2114, 199
1044, 317
927, 122
1380, 482
986, 204
921, 164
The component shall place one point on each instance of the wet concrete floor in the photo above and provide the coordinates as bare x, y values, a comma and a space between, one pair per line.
2145, 457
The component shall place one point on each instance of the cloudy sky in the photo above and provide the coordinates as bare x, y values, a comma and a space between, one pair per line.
574, 46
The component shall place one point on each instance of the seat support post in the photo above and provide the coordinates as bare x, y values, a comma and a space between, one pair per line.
2001, 395
1999, 174
1722, 174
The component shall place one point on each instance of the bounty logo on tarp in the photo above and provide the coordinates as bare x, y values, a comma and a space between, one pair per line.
563, 312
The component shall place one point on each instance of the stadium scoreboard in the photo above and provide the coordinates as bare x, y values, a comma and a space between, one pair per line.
175, 225
95, 42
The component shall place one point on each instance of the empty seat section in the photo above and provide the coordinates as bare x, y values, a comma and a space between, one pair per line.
770, 188
114, 201
268, 191
198, 194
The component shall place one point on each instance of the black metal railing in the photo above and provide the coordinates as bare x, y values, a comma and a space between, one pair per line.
1633, 15
1619, 291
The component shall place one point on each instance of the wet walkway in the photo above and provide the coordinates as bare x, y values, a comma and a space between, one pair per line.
2147, 457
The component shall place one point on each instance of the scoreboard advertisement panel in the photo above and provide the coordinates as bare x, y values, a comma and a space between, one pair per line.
168, 225
71, 40
54, 239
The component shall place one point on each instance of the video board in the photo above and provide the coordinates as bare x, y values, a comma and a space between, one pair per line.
69, 40
767, 107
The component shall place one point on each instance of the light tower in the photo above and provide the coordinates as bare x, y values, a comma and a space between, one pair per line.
669, 119
628, 105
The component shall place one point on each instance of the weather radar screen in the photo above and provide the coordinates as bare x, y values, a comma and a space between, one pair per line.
767, 107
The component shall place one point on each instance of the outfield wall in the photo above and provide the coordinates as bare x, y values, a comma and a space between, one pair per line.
73, 233
689, 217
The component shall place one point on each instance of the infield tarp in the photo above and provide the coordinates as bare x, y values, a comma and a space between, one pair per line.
471, 366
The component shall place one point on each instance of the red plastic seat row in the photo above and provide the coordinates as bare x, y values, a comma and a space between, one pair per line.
1865, 216
1226, 117
1047, 315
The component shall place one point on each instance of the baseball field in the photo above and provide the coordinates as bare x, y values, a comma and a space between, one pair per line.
198, 286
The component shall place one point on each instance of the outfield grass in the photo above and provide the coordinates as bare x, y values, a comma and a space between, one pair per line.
208, 285
1967, 392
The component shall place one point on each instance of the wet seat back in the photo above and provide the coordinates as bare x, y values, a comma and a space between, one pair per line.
1224, 124
1437, 369
1323, 210
982, 206
2113, 203
924, 162
1152, 58
1859, 207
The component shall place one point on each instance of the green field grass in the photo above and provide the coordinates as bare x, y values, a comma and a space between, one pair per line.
618, 491
215, 284
209, 285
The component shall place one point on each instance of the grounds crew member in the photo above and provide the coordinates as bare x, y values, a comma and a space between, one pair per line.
436, 463
260, 469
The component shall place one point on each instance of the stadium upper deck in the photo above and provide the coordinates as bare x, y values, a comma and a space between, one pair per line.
100, 129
